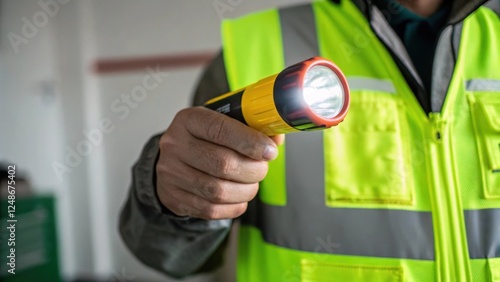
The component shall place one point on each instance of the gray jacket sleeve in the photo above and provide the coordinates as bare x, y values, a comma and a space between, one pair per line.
177, 246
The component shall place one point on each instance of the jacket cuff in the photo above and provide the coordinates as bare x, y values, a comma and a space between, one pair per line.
144, 172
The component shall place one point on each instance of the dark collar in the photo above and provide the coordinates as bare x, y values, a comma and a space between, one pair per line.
463, 8
459, 11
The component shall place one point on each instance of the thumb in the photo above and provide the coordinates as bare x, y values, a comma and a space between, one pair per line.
278, 139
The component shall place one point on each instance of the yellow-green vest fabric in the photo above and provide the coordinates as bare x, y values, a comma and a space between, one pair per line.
400, 195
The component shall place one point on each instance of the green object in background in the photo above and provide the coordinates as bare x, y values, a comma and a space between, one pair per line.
36, 241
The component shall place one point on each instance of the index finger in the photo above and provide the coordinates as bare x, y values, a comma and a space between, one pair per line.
220, 129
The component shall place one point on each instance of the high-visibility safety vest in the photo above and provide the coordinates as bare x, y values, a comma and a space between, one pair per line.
392, 193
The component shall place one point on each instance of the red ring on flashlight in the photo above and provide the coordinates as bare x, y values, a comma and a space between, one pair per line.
313, 116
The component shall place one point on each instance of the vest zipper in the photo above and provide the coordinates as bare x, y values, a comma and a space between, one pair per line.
450, 239
438, 125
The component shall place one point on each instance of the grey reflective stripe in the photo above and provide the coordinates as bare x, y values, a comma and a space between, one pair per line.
373, 84
298, 29
305, 169
442, 70
457, 36
345, 231
483, 85
494, 5
483, 233
307, 224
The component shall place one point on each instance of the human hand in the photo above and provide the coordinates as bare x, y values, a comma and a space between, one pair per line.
210, 165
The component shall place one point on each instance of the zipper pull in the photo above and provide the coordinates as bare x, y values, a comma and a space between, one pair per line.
437, 126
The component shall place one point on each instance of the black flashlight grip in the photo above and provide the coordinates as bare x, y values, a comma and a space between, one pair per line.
230, 106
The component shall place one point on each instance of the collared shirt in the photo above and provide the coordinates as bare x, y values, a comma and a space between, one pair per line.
419, 34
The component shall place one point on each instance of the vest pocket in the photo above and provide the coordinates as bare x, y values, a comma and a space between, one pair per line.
312, 271
485, 109
494, 269
365, 157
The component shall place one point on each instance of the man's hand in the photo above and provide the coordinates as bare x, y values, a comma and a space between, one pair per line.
210, 165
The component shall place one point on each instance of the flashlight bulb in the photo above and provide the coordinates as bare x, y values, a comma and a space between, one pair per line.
323, 91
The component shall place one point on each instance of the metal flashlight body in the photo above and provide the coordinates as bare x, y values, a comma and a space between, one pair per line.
309, 95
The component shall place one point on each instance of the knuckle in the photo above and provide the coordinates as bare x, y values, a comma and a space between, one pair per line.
166, 166
166, 141
217, 130
182, 118
216, 191
182, 114
225, 165
163, 168
210, 212
248, 148
212, 190
200, 184
179, 119
181, 209
177, 207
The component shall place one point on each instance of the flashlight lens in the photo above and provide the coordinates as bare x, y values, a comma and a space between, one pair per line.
323, 91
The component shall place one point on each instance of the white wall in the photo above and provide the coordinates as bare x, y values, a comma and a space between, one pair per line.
22, 79
34, 122
35, 131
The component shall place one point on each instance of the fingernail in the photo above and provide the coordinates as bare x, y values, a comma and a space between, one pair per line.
270, 153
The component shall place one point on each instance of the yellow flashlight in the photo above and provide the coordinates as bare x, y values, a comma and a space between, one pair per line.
309, 95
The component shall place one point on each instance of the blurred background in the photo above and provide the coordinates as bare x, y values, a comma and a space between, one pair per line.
83, 85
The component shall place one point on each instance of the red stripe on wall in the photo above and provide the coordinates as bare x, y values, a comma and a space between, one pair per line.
174, 61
